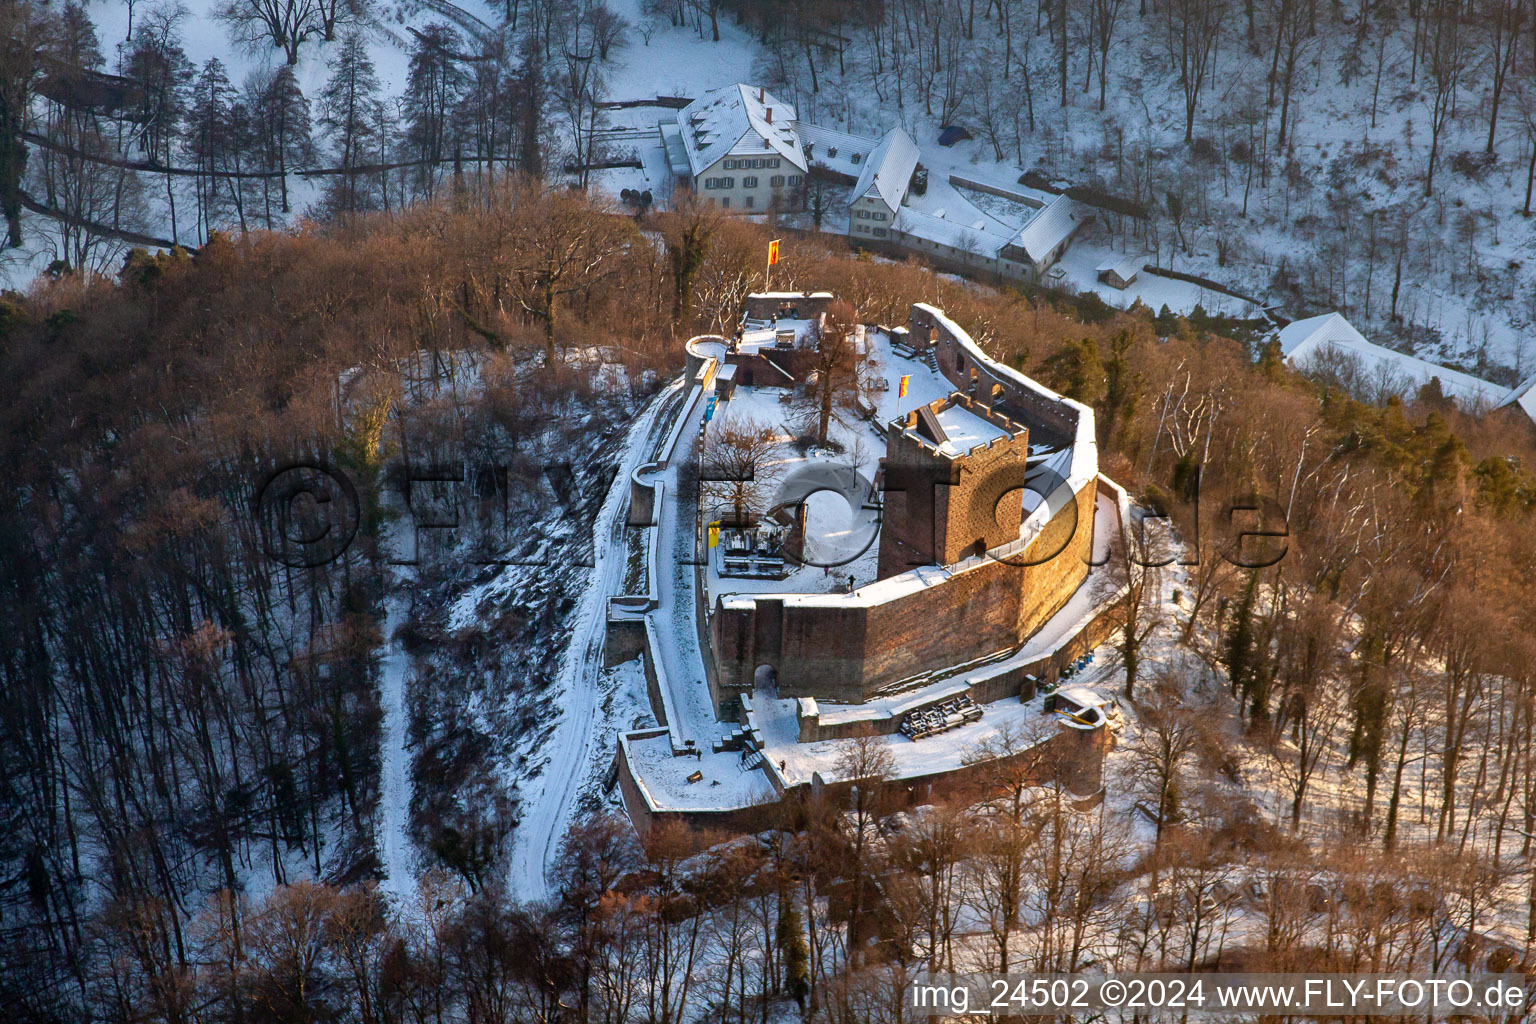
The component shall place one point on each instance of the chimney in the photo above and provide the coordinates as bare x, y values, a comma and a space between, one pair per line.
770, 115
759, 94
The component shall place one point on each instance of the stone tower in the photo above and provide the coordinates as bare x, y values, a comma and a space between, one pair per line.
954, 473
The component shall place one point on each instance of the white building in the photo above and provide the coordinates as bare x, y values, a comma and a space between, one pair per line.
744, 150
737, 147
877, 195
1319, 340
1042, 240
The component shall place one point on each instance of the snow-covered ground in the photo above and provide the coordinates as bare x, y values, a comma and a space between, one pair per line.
1321, 216
396, 856
577, 748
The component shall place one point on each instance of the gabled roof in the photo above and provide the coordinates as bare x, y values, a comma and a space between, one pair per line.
888, 170
739, 120
1302, 339
1048, 228
819, 145
1523, 397
974, 236
1126, 267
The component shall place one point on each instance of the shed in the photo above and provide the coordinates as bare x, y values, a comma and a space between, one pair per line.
1120, 273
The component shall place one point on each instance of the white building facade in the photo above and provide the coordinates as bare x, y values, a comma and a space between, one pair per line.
738, 148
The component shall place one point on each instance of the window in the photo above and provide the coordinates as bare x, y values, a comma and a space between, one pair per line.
879, 232
773, 161
857, 157
725, 203
750, 181
831, 151
879, 216
777, 181
749, 202
795, 179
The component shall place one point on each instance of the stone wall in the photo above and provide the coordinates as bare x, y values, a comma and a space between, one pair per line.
800, 305
984, 686
850, 651
1054, 419
1072, 758
941, 509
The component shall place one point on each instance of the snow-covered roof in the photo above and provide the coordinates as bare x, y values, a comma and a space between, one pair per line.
1522, 395
739, 120
842, 152
1048, 228
1301, 340
973, 235
676, 149
964, 430
888, 170
1124, 267
1083, 697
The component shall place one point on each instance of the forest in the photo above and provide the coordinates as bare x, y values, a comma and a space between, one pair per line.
1377, 158
1328, 761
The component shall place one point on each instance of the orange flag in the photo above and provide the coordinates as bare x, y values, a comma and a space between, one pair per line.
773, 252
903, 392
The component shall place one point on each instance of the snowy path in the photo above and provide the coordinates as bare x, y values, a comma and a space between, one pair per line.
394, 762
674, 618
548, 801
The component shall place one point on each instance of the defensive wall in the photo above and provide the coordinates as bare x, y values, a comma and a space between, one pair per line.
1072, 758
1010, 581
973, 614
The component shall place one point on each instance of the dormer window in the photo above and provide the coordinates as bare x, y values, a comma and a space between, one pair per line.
831, 151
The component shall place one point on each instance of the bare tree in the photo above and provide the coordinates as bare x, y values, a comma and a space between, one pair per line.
23, 29
1292, 39
286, 24
1161, 749
1138, 555
740, 465
1445, 58
819, 191
559, 245
1312, 723
835, 364
865, 763
1193, 28
1105, 14
1504, 20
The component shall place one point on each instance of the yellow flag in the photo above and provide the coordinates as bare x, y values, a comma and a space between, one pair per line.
714, 533
773, 252
905, 378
